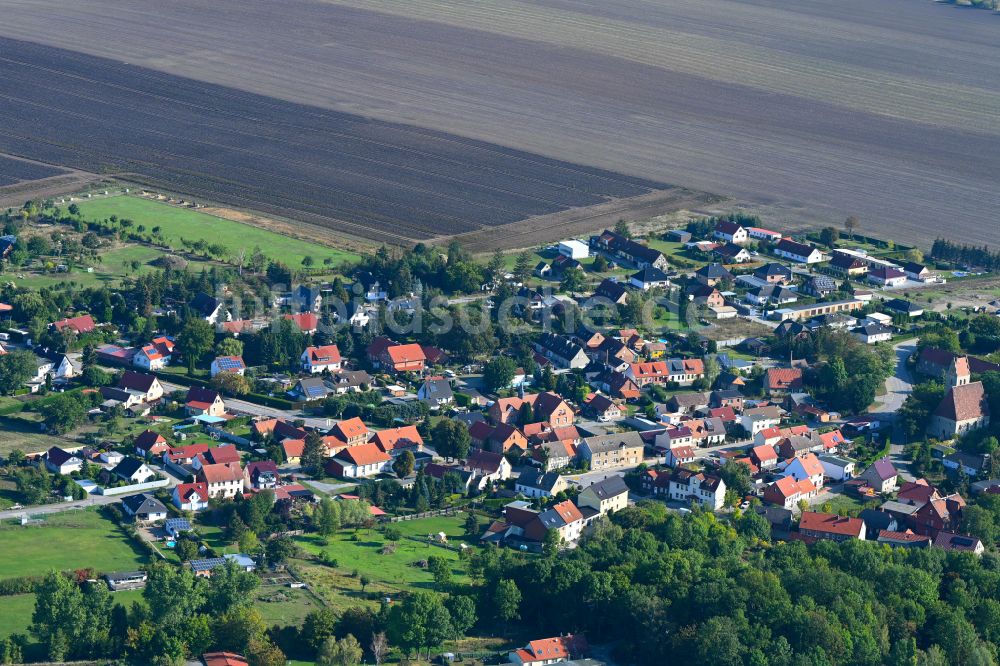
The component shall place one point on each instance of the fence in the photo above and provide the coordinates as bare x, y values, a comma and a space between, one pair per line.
426, 514
135, 487
228, 436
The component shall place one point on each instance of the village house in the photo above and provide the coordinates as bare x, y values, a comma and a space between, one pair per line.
798, 252
831, 526
233, 364
603, 408
731, 232
881, 476
261, 475
146, 388
352, 431
563, 518
77, 325
540, 484
760, 418
649, 278
561, 351
436, 392
395, 441
805, 467
144, 508
488, 468
676, 456
360, 461
307, 322
321, 359
774, 273
222, 480
611, 451
706, 295
641, 256
847, 265
712, 274
783, 380
886, 276
787, 492
204, 402
395, 357
706, 489
210, 309
60, 461
605, 496
730, 253
191, 496
613, 291
837, 468
959, 543
149, 442
154, 356
767, 235
133, 470
553, 455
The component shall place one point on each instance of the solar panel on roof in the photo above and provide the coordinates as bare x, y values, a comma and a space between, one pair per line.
229, 364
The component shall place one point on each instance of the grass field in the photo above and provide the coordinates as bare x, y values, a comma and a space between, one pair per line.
177, 223
390, 573
66, 541
15, 611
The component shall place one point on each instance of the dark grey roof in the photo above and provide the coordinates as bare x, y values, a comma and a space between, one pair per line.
204, 304
602, 443
536, 479
438, 389
714, 272
650, 274
560, 346
613, 486
143, 503
127, 467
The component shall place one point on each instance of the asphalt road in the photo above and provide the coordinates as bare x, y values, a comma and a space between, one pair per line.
92, 500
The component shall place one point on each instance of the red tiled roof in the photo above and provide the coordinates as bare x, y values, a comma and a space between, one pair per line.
306, 321
221, 472
784, 378
830, 523
323, 355
350, 428
363, 454
80, 324
406, 353
223, 659
393, 437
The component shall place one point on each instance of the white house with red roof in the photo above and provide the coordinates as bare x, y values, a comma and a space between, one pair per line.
679, 455
318, 359
353, 431
205, 401
191, 496
154, 356
150, 442
550, 651
222, 479
360, 461
831, 526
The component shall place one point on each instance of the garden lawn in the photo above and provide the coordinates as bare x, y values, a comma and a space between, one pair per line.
15, 611
67, 541
176, 223
284, 606
453, 526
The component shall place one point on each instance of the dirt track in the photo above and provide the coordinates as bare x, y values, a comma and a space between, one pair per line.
809, 110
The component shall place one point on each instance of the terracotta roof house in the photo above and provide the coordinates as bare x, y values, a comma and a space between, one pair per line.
362, 460
224, 659
786, 492
352, 430
550, 650
79, 325
403, 358
396, 440
906, 539
831, 526
564, 518
764, 456
191, 496
307, 322
222, 479
505, 437
150, 442
318, 359
783, 380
